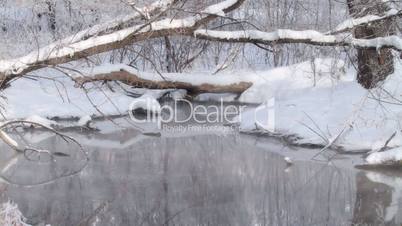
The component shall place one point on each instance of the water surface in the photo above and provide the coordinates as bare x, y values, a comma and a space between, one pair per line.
194, 179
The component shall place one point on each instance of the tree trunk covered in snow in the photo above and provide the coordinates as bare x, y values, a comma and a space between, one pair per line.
136, 81
374, 65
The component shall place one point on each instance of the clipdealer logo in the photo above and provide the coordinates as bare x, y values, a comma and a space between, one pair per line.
200, 117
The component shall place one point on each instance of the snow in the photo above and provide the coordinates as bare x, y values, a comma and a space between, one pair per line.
7, 139
318, 102
312, 35
47, 99
71, 44
84, 120
193, 78
217, 9
288, 160
307, 36
225, 97
391, 41
149, 101
393, 156
330, 109
350, 23
285, 82
40, 120
43, 98
178, 94
63, 49
66, 49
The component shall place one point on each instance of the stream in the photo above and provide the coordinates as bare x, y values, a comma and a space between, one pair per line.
193, 178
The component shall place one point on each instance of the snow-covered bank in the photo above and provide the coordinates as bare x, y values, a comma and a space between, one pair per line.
316, 102
48, 98
390, 157
339, 115
51, 99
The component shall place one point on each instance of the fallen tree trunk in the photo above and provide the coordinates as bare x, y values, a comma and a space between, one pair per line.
137, 81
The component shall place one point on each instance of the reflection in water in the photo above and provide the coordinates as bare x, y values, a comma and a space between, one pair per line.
378, 198
371, 200
132, 179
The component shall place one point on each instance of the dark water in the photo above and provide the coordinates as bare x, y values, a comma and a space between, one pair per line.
193, 179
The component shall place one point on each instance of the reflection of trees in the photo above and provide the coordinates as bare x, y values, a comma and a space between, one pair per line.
377, 198
205, 180
165, 182
208, 180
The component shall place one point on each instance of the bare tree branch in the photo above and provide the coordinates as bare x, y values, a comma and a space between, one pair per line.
349, 24
55, 54
291, 36
114, 35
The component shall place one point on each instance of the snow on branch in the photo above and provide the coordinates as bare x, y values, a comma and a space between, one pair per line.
194, 84
122, 22
104, 38
351, 23
97, 30
55, 53
265, 37
290, 36
393, 42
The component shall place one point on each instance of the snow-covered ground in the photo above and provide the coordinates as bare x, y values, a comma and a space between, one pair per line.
47, 98
393, 156
316, 102
342, 114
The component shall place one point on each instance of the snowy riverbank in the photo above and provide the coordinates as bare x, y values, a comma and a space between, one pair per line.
343, 113
316, 103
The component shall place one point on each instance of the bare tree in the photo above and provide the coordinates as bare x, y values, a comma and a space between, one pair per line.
373, 41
